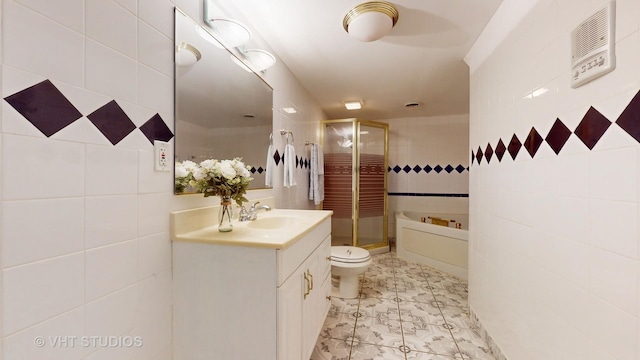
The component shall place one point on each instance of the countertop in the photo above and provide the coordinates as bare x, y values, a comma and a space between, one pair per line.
277, 229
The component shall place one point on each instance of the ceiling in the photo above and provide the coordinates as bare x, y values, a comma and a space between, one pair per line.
420, 60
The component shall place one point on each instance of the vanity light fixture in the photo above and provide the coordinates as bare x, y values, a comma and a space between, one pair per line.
370, 21
353, 105
258, 59
187, 54
255, 60
229, 32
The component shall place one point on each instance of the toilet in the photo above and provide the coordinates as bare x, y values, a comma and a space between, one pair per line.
347, 263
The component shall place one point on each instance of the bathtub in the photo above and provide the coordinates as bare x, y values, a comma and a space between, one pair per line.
440, 247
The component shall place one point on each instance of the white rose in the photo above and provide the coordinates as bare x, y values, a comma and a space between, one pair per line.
227, 170
198, 174
189, 165
181, 171
208, 164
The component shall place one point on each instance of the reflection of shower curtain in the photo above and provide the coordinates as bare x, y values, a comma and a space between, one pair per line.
371, 185
337, 184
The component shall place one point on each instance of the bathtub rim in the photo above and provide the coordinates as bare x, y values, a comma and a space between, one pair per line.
460, 234
403, 221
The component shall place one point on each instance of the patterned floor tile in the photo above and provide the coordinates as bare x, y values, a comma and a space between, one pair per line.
420, 312
429, 338
370, 352
379, 331
338, 327
404, 311
457, 316
331, 349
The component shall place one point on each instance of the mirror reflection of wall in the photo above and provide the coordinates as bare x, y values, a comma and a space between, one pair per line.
223, 111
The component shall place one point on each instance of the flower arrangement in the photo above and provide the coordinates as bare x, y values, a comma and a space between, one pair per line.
224, 178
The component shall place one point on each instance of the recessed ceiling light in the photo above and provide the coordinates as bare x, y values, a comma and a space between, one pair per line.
353, 105
289, 110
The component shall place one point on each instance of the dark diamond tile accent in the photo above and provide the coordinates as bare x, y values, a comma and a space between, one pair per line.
479, 155
514, 146
488, 153
473, 157
448, 169
437, 169
298, 161
427, 169
396, 169
532, 142
460, 168
45, 107
260, 170
388, 168
592, 127
417, 169
558, 136
406, 169
276, 157
629, 120
500, 150
156, 129
253, 170
112, 122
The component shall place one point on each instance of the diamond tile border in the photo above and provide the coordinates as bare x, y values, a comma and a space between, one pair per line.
49, 110
448, 168
592, 127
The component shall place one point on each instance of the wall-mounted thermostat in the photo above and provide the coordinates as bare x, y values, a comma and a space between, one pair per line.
592, 46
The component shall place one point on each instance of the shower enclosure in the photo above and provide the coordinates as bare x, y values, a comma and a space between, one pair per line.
355, 180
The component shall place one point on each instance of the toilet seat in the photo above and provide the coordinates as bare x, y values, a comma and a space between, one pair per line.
349, 255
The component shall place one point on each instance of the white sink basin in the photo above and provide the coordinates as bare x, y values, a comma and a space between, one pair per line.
273, 222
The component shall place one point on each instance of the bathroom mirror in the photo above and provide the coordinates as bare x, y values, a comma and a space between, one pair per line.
223, 110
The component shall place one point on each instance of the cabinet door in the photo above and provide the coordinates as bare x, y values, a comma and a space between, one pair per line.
290, 317
316, 304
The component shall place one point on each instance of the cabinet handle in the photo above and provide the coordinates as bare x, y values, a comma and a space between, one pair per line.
329, 298
328, 258
308, 290
311, 278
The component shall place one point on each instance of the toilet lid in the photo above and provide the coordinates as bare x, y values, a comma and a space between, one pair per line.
349, 254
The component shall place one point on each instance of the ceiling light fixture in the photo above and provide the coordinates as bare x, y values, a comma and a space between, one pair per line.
371, 20
353, 105
187, 55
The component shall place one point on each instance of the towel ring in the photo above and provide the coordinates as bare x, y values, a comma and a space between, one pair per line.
288, 132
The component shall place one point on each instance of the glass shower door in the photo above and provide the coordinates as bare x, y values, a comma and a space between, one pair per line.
371, 196
339, 162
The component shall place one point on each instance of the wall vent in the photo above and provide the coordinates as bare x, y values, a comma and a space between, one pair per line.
592, 46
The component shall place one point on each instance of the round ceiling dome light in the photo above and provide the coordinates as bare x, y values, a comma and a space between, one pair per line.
370, 21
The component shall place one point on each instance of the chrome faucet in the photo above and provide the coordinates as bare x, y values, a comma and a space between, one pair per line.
252, 213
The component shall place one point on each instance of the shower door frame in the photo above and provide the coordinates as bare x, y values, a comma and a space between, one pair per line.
355, 177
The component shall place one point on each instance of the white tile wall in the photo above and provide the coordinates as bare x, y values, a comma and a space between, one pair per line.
85, 224
554, 240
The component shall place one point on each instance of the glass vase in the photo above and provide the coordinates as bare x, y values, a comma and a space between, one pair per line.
225, 214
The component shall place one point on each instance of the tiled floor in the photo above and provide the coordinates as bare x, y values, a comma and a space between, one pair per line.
405, 311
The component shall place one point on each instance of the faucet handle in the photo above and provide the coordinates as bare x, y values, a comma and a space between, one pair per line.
253, 206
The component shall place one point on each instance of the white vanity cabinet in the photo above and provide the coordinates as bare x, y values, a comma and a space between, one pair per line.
251, 302
303, 303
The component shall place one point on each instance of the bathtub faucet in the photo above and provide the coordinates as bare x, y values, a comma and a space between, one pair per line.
252, 213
